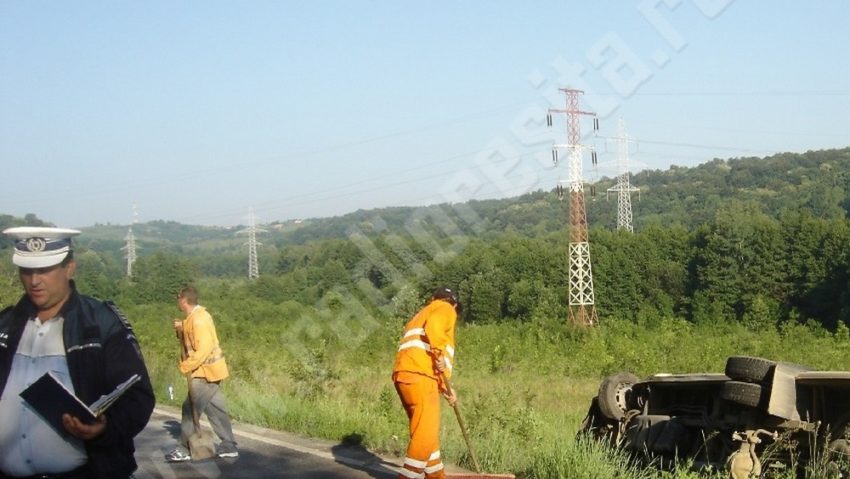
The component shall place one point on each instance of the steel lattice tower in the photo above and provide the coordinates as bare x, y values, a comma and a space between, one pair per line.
251, 231
624, 189
130, 245
582, 310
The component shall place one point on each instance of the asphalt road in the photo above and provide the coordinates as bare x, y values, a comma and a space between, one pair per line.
263, 453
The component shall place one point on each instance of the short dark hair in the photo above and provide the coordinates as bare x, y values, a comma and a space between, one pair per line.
68, 258
189, 293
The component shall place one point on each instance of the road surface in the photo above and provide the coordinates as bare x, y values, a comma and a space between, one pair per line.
262, 454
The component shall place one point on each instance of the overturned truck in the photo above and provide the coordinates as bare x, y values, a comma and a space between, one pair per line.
758, 414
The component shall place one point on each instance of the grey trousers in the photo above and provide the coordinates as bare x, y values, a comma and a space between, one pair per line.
208, 400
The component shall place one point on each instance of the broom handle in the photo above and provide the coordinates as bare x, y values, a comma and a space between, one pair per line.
195, 417
196, 420
462, 425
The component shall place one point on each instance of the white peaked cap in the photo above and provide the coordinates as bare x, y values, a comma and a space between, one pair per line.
40, 247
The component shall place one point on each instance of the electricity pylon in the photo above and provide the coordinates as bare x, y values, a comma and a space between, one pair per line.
623, 188
251, 231
130, 245
582, 309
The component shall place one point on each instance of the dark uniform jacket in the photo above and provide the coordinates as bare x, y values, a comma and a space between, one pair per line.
102, 352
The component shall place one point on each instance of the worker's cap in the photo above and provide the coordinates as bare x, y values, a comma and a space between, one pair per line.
442, 292
40, 247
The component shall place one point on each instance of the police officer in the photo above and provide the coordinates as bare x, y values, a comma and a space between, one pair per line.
89, 346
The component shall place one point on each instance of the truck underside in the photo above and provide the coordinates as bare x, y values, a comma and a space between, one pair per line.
758, 415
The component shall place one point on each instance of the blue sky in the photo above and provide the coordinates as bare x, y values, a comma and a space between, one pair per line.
199, 111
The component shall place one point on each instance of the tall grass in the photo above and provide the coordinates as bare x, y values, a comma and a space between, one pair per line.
524, 387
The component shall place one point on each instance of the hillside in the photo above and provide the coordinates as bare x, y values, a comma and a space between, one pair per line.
816, 180
730, 238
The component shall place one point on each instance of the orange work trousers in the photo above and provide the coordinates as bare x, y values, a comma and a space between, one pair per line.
420, 397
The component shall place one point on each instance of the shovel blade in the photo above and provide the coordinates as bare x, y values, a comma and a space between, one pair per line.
201, 445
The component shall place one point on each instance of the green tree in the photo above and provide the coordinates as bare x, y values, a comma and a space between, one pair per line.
158, 278
94, 276
10, 285
816, 252
484, 292
741, 256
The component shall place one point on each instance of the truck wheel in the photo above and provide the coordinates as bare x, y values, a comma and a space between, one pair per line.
749, 369
613, 395
745, 394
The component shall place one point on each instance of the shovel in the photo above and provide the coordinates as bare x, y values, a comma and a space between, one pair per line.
478, 474
201, 442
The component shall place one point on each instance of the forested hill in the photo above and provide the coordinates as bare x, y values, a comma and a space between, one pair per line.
815, 181
760, 240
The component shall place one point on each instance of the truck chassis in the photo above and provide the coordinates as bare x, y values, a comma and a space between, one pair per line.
757, 415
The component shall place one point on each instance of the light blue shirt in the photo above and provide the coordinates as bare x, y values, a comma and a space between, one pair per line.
28, 444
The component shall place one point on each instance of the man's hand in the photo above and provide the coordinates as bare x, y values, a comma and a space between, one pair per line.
451, 396
178, 329
440, 363
81, 430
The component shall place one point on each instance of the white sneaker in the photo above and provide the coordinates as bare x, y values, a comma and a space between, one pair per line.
177, 455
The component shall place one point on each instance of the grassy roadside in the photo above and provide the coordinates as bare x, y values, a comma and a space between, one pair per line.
524, 387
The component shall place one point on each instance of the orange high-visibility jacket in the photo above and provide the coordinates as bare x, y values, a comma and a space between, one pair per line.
205, 358
429, 336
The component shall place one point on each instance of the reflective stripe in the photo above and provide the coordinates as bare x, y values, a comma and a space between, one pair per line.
411, 474
415, 463
415, 332
448, 363
422, 344
416, 343
84, 346
434, 456
433, 469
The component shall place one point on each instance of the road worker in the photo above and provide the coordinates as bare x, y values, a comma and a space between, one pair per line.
425, 355
207, 366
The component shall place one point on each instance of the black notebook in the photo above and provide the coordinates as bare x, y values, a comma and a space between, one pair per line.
51, 399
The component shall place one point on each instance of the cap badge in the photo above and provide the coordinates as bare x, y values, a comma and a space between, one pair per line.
36, 244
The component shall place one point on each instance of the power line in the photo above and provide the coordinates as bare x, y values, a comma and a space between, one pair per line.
742, 93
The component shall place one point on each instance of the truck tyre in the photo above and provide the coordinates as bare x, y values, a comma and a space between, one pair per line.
743, 393
613, 395
750, 369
